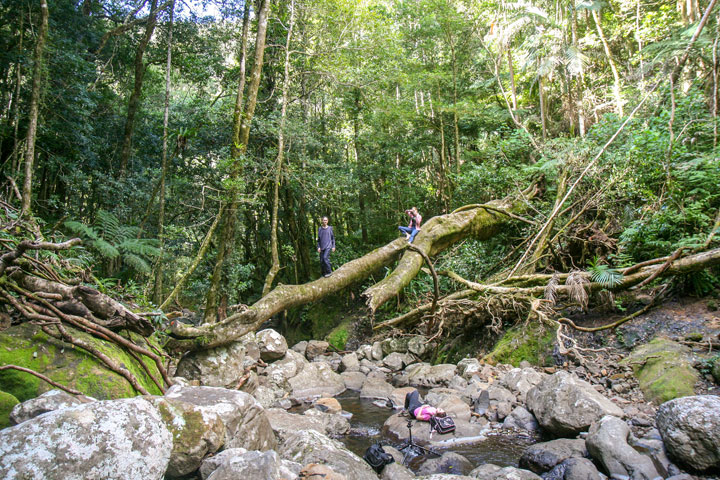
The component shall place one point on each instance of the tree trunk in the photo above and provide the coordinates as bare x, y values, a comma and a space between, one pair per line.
15, 165
437, 234
228, 229
543, 118
166, 117
613, 68
134, 102
511, 72
34, 108
275, 268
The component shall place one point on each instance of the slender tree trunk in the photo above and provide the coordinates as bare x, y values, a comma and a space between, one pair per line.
455, 114
228, 233
275, 268
235, 147
579, 81
15, 165
163, 174
613, 67
511, 72
134, 102
34, 108
715, 85
543, 118
638, 39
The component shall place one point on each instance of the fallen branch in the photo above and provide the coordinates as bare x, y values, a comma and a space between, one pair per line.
41, 377
9, 258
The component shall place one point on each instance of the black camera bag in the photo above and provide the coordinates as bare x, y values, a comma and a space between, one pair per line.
377, 458
442, 425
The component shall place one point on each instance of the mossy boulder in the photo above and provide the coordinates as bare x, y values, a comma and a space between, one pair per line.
663, 369
339, 335
28, 346
716, 370
7, 402
532, 343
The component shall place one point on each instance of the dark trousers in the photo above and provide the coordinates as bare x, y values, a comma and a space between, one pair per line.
325, 266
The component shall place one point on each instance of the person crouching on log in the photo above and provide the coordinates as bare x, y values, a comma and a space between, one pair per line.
414, 227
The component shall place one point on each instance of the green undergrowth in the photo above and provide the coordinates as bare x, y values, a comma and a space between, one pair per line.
7, 402
28, 346
532, 343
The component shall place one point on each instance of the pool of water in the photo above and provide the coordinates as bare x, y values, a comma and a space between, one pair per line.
367, 421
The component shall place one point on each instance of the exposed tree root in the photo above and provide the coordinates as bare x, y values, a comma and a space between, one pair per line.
41, 377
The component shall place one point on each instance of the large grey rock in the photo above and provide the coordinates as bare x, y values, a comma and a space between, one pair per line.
376, 387
396, 471
353, 380
455, 407
316, 380
313, 447
335, 424
279, 372
521, 380
443, 476
466, 433
544, 456
574, 469
425, 375
565, 405
394, 345
255, 465
350, 363
607, 443
47, 402
449, 462
365, 351
315, 348
493, 472
497, 393
215, 367
376, 352
395, 361
467, 367
690, 429
195, 433
210, 464
417, 345
272, 345
246, 424
522, 419
115, 439
285, 423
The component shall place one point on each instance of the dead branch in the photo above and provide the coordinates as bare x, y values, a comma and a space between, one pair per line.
41, 377
436, 288
9, 258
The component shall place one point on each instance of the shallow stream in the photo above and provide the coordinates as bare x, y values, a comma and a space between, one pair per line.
367, 421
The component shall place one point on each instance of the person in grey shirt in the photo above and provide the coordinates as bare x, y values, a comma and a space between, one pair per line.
325, 244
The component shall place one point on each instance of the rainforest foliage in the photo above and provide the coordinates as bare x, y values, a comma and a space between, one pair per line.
197, 144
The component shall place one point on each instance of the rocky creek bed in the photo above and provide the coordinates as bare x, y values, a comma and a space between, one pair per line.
233, 413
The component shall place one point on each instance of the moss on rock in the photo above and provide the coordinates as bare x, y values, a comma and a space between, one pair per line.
28, 346
7, 402
339, 335
663, 369
533, 343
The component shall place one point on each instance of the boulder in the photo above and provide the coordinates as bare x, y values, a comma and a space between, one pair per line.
395, 361
327, 405
521, 380
455, 407
364, 351
353, 380
493, 472
417, 345
663, 369
301, 348
396, 471
376, 388
272, 345
313, 447
607, 444
394, 345
574, 469
255, 465
565, 405
496, 393
195, 433
350, 363
268, 396
210, 464
543, 457
398, 396
522, 419
316, 380
395, 429
425, 375
26, 345
215, 367
690, 429
318, 470
246, 424
376, 352
279, 372
449, 462
47, 402
121, 439
467, 367
316, 348
335, 424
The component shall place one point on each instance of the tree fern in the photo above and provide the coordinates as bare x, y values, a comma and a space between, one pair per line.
136, 262
604, 275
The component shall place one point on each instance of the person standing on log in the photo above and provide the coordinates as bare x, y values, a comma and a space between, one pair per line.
414, 227
325, 244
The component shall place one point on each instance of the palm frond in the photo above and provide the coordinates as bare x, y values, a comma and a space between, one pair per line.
576, 282
550, 293
604, 275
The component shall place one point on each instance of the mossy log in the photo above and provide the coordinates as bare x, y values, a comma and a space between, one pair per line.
436, 235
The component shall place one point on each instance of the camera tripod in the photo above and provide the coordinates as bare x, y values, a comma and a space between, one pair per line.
412, 449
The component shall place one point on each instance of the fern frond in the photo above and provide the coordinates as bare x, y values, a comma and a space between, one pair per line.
81, 229
136, 262
145, 247
105, 248
109, 225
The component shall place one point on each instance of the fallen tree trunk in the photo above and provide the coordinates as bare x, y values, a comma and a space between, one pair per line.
438, 234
